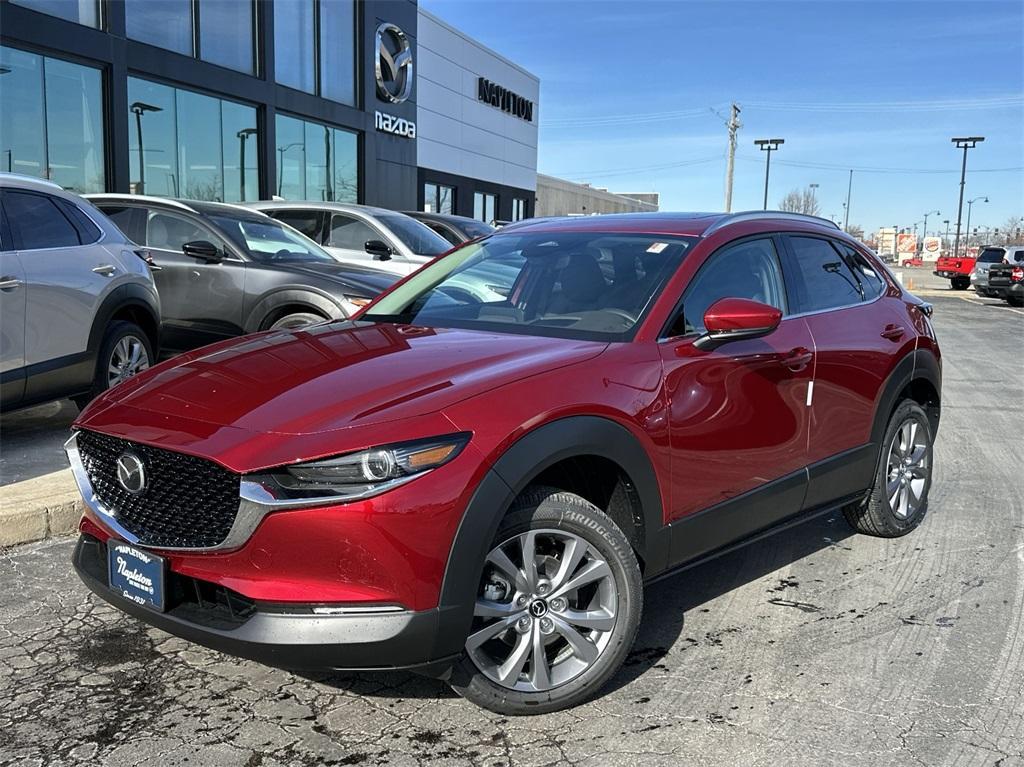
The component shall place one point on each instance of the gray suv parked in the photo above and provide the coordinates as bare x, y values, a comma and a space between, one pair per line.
994, 254
78, 308
225, 270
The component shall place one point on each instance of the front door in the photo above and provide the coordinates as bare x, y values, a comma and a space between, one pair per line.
12, 327
200, 302
346, 240
738, 415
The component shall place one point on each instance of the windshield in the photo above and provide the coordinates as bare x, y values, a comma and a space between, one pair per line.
992, 256
583, 285
417, 237
267, 241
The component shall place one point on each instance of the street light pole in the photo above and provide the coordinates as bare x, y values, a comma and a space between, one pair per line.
768, 145
970, 204
280, 161
968, 142
139, 108
924, 233
242, 136
849, 189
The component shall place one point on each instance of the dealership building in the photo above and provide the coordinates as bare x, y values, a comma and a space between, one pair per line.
377, 102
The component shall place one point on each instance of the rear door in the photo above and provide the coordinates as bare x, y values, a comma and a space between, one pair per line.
738, 419
859, 336
12, 320
306, 220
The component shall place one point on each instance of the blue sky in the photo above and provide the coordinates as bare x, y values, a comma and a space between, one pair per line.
882, 84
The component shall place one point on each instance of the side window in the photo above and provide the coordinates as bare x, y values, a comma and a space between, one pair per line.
1018, 256
350, 233
37, 222
169, 231
445, 232
131, 221
825, 280
748, 269
309, 222
88, 232
871, 280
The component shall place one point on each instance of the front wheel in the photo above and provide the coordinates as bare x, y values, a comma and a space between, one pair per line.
295, 320
557, 609
899, 500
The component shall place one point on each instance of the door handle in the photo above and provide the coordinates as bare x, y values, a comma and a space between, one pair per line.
106, 270
893, 332
9, 283
797, 359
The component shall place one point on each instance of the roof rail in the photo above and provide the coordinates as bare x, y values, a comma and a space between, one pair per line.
138, 198
756, 215
25, 177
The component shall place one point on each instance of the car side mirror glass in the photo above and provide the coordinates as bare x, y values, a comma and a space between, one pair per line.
203, 250
736, 319
379, 249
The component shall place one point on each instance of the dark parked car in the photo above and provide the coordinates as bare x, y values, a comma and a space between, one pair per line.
1006, 281
225, 270
479, 489
455, 229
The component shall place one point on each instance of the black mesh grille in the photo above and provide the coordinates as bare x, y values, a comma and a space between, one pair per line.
188, 502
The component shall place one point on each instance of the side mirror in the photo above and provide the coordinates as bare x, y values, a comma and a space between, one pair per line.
736, 319
203, 251
378, 249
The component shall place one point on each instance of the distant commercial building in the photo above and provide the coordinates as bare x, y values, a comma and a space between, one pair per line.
375, 101
558, 197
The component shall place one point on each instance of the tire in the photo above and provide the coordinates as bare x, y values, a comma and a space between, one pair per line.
552, 524
960, 283
124, 352
889, 513
294, 320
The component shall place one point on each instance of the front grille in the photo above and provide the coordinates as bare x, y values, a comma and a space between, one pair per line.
188, 502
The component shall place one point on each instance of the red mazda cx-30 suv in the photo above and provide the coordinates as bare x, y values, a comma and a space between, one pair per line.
475, 476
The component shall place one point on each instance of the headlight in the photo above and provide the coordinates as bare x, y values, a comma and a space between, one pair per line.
352, 476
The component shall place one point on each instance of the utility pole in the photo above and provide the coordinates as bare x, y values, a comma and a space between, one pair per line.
734, 126
968, 142
846, 216
768, 145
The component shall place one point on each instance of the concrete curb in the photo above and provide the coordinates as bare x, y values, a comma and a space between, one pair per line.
39, 508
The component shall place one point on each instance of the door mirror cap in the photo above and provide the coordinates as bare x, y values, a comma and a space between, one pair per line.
379, 249
736, 319
203, 250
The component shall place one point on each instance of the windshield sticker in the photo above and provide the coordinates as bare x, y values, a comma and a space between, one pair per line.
657, 247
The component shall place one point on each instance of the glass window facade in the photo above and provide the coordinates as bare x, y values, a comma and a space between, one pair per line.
518, 209
79, 11
165, 23
438, 198
226, 32
192, 146
485, 206
316, 161
294, 44
51, 123
308, 33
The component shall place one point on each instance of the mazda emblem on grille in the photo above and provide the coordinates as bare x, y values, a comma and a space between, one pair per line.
131, 473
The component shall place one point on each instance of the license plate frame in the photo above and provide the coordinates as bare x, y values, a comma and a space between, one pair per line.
137, 575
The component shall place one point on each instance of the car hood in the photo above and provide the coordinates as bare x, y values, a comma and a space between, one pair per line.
337, 375
362, 282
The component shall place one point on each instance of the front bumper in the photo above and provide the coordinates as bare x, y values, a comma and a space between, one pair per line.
288, 635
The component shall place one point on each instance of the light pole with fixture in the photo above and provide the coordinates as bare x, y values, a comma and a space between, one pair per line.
139, 108
970, 204
924, 232
768, 145
242, 136
965, 143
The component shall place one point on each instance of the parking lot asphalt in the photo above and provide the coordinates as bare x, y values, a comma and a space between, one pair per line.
814, 647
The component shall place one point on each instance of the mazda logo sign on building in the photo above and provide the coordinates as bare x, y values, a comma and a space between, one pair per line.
393, 57
131, 474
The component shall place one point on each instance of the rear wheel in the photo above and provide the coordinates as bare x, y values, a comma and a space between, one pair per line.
124, 352
899, 499
960, 283
557, 609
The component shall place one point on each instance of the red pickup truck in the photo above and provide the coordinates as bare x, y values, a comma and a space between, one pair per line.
957, 269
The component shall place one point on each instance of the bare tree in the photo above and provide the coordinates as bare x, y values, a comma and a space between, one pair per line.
855, 231
1013, 229
801, 201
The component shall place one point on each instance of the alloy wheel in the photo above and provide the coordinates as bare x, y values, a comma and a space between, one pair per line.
907, 469
545, 612
128, 358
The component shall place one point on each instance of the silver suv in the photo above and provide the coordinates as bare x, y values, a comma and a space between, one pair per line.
361, 234
993, 254
78, 308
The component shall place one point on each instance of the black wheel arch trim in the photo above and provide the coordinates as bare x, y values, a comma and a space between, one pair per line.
268, 303
517, 467
921, 364
129, 295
